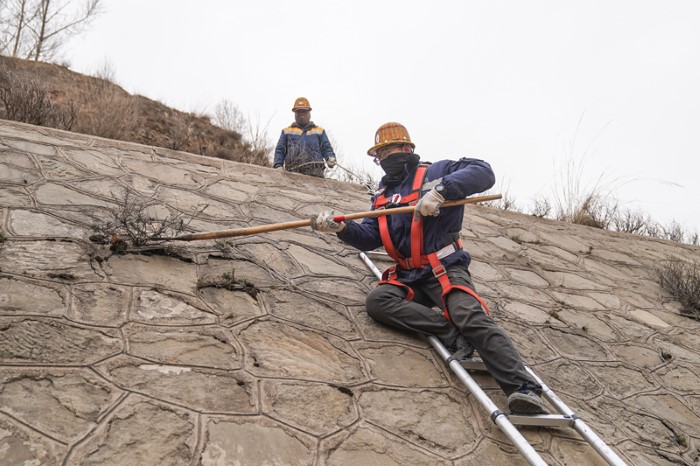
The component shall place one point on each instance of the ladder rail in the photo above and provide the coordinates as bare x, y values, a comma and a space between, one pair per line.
498, 416
579, 425
503, 421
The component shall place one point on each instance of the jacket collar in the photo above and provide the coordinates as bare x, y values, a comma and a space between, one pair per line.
307, 127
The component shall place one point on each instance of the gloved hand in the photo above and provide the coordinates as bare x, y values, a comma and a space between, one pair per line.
278, 167
331, 162
325, 222
430, 203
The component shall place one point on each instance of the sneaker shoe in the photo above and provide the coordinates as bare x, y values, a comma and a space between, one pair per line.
526, 402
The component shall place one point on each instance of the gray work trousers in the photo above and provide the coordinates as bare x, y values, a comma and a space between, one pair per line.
387, 304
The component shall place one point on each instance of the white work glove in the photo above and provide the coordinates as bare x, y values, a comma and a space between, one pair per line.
430, 203
331, 162
324, 222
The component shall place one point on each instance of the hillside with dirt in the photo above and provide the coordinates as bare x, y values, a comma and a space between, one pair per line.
96, 106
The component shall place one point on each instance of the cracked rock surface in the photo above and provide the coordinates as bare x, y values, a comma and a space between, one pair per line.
161, 357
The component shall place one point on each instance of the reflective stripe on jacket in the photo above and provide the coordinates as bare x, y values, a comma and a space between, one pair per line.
300, 145
460, 178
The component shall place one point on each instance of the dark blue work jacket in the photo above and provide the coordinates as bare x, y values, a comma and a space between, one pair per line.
299, 145
460, 178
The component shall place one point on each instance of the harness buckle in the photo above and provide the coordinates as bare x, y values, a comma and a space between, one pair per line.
388, 273
439, 271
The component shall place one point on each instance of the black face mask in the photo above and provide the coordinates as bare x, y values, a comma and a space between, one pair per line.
396, 166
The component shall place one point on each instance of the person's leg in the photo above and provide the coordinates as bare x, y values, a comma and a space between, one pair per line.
490, 340
387, 304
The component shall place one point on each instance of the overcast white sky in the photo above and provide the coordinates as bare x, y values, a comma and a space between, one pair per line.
529, 86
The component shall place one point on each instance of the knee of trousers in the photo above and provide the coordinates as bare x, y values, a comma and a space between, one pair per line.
465, 308
379, 300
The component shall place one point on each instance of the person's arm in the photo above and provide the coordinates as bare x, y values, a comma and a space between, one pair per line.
280, 151
326, 148
465, 177
459, 179
363, 236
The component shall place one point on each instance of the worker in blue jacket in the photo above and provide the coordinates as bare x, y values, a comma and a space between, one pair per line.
303, 147
431, 267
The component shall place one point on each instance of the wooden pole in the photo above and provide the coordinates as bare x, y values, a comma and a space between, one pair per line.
305, 223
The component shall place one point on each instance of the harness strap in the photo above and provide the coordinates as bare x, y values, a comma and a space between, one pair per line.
381, 201
418, 259
441, 274
416, 225
389, 278
441, 254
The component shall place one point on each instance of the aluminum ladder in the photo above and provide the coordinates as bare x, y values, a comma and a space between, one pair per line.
505, 421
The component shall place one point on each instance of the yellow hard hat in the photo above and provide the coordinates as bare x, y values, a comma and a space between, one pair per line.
390, 133
302, 103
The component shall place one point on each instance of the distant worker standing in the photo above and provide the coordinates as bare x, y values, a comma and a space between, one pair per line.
303, 146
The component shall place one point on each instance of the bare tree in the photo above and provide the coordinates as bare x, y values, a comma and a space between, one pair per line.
36, 29
258, 145
228, 116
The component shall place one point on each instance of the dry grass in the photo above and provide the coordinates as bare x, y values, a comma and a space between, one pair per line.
111, 114
541, 208
506, 202
595, 204
28, 100
682, 280
229, 282
257, 145
109, 111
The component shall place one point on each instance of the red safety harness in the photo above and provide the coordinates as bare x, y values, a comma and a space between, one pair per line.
418, 259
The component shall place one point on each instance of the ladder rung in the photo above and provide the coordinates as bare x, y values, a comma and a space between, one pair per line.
541, 420
473, 364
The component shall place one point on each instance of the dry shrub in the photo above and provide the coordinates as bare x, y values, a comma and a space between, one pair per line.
541, 208
506, 202
672, 232
628, 221
134, 222
111, 112
27, 100
682, 280
257, 155
179, 132
593, 211
257, 146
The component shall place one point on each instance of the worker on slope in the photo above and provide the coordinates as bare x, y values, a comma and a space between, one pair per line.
431, 267
303, 146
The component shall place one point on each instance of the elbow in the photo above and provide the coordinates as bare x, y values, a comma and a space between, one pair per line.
490, 179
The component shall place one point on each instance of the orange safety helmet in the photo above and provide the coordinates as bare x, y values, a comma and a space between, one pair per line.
302, 103
390, 133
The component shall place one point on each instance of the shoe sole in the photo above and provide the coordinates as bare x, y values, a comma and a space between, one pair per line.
524, 405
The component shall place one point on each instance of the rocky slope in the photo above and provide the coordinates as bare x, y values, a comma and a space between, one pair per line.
258, 350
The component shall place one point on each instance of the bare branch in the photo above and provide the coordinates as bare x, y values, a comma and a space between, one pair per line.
36, 29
